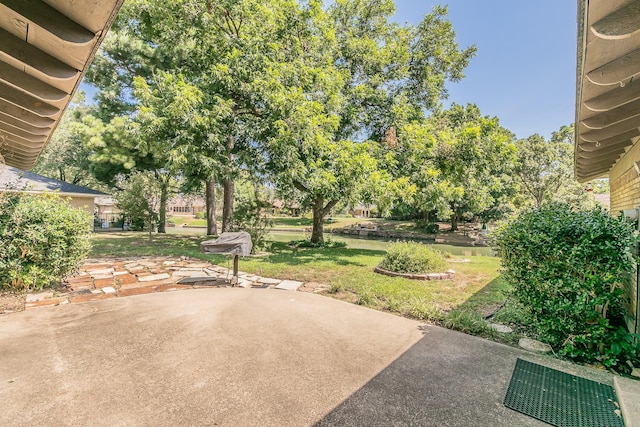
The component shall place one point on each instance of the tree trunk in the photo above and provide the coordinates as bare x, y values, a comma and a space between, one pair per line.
227, 208
212, 222
317, 234
150, 225
228, 185
454, 222
162, 213
539, 200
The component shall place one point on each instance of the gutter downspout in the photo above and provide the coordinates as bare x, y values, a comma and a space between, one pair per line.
583, 20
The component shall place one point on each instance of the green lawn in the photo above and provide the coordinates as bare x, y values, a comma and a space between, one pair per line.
306, 221
189, 220
348, 274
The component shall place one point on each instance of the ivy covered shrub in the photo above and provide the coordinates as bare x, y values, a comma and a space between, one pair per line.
413, 257
42, 239
568, 268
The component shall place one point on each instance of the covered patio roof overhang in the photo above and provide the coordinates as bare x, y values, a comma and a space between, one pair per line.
46, 47
608, 84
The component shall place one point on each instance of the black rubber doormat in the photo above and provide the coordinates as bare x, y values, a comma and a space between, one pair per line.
561, 399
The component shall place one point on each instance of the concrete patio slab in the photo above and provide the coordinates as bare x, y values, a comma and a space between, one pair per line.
628, 391
202, 357
250, 357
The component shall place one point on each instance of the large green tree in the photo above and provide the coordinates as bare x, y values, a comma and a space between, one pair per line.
117, 135
357, 76
453, 164
123, 146
302, 89
544, 169
474, 155
234, 53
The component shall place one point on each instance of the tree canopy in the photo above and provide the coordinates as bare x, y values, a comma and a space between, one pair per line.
359, 75
329, 104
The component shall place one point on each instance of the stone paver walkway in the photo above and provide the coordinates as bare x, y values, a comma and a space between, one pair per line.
115, 278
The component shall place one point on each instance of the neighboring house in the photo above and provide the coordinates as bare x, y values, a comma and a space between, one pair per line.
608, 106
184, 204
276, 207
280, 207
106, 205
363, 211
180, 205
13, 179
107, 214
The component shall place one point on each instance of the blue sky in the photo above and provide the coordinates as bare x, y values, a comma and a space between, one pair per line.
525, 69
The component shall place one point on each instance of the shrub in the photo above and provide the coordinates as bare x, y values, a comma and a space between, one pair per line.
249, 216
432, 228
42, 239
428, 227
140, 200
568, 269
413, 257
328, 243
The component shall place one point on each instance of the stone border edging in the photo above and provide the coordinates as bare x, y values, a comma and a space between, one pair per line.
450, 274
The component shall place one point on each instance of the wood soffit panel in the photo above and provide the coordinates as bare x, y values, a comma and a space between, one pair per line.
46, 47
608, 84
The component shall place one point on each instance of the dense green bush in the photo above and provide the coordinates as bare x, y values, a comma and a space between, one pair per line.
327, 243
42, 239
250, 216
413, 257
432, 228
568, 268
428, 226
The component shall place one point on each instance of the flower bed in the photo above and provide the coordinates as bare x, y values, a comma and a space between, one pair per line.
450, 274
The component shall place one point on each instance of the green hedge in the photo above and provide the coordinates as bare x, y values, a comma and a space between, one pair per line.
413, 257
568, 269
42, 239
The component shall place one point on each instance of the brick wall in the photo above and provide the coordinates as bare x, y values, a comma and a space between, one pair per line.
624, 181
625, 191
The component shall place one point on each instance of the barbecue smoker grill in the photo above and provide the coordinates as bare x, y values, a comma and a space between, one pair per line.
236, 244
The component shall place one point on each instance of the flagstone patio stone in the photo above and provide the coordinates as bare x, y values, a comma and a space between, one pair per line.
289, 285
101, 279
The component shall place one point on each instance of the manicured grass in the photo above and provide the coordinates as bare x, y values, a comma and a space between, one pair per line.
306, 221
189, 220
292, 222
347, 273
